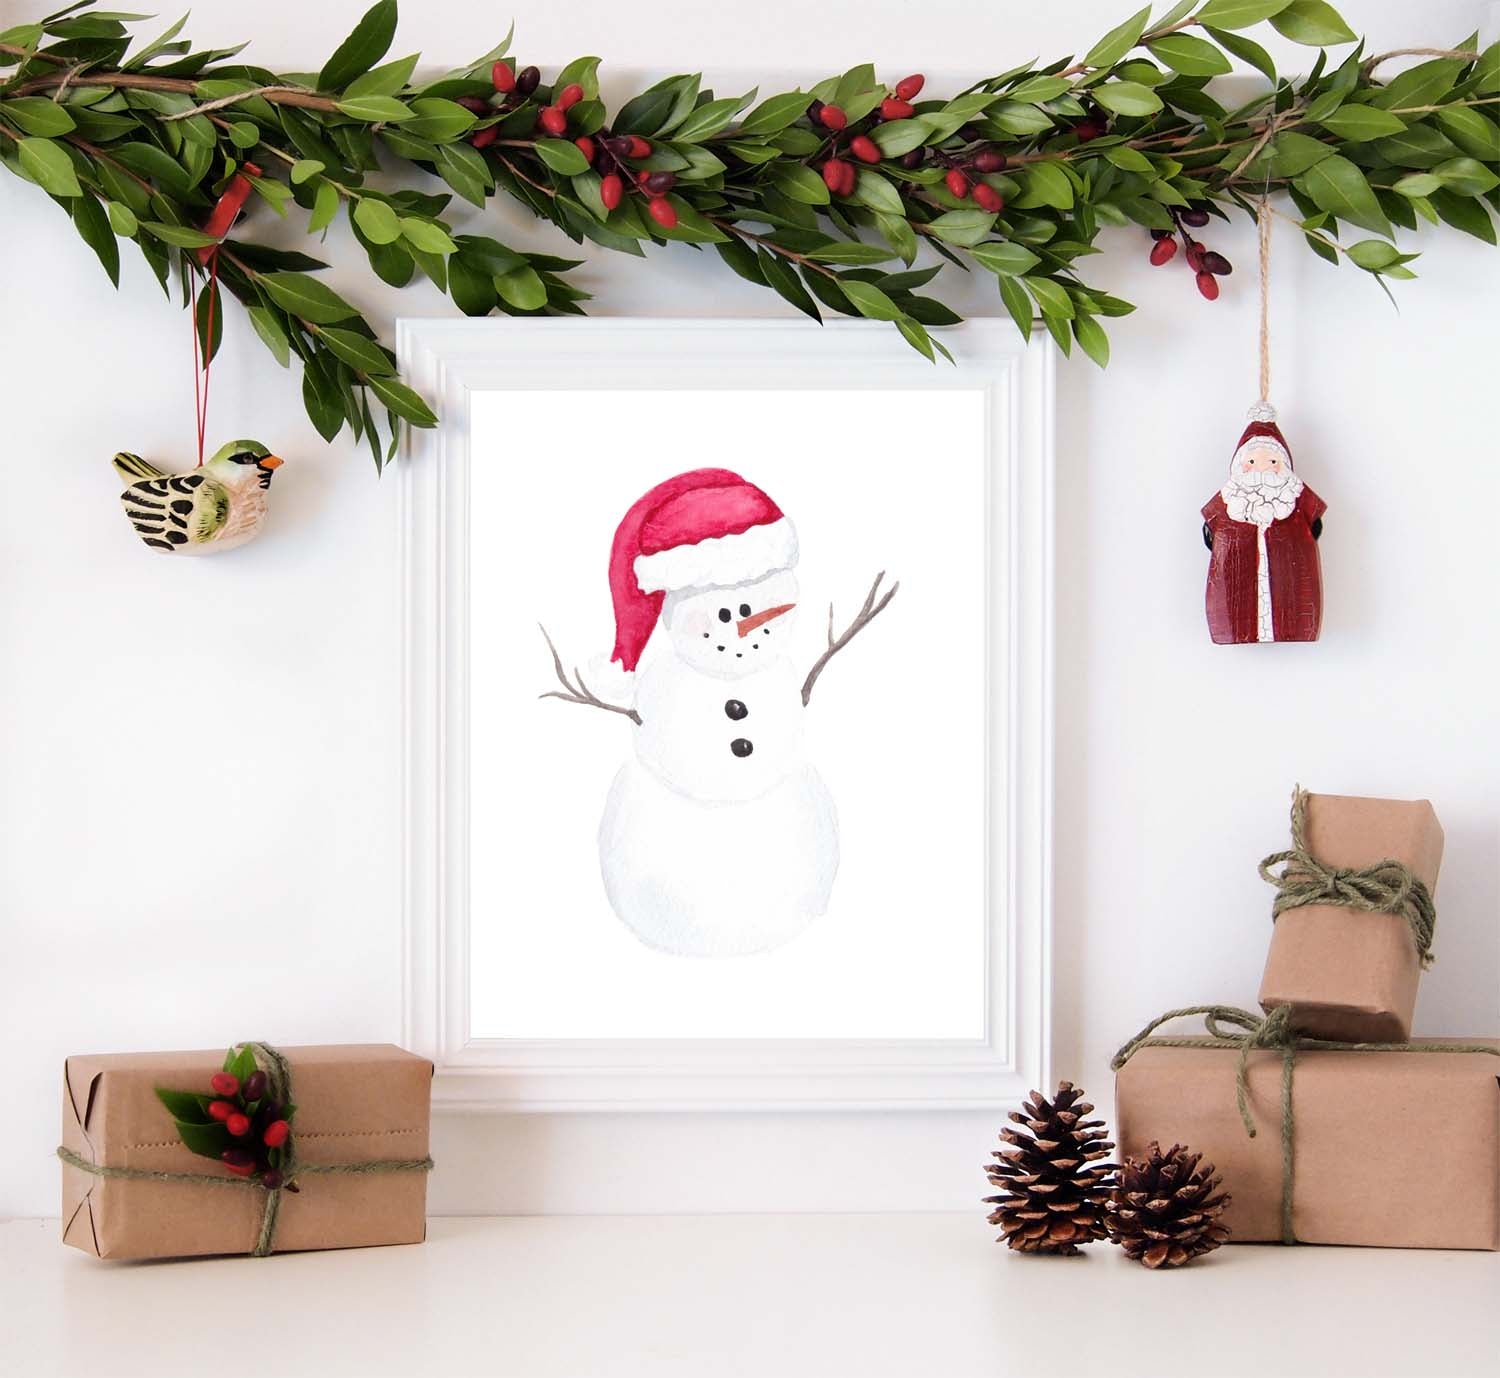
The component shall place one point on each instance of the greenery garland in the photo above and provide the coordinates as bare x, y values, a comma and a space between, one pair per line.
809, 193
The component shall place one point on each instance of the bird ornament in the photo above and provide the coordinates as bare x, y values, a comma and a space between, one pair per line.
217, 506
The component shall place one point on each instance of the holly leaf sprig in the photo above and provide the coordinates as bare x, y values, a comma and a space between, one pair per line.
851, 197
238, 1122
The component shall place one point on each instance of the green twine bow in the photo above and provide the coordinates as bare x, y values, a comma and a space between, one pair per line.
279, 1073
1387, 887
1271, 1032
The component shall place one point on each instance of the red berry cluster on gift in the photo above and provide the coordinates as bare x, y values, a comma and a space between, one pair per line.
259, 1120
1207, 265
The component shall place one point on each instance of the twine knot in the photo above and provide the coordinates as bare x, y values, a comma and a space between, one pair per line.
1387, 887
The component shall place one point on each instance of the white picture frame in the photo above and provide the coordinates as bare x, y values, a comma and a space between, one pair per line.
450, 361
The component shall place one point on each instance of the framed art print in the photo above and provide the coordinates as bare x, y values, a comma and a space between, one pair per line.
727, 714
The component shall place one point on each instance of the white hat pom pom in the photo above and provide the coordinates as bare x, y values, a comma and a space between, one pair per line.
1261, 411
611, 681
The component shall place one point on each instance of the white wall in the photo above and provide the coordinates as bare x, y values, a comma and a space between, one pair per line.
198, 760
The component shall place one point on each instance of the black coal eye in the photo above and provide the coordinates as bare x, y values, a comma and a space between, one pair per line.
725, 614
744, 610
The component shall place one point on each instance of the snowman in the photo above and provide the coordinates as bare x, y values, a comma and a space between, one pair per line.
719, 839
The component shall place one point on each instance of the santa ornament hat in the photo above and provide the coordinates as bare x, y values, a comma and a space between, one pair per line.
1261, 431
703, 529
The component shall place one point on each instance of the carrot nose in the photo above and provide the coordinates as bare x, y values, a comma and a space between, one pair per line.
747, 625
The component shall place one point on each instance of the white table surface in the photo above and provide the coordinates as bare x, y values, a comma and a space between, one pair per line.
820, 1296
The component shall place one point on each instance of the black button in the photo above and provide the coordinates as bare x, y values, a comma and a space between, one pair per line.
741, 747
736, 709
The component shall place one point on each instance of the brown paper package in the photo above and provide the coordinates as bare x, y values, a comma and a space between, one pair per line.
356, 1103
1349, 975
1399, 1149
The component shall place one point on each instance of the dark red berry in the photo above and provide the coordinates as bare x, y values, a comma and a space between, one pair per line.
658, 183
255, 1086
989, 160
271, 1179
1163, 251
619, 145
527, 80
1208, 284
988, 198
220, 1110
640, 177
832, 117
894, 109
585, 146
503, 78
1087, 130
639, 147
611, 189
473, 104
913, 159
908, 88
863, 147
1195, 217
958, 184
486, 136
275, 1133
1216, 263
238, 1125
1195, 255
662, 211
239, 1161
569, 96
225, 1083
554, 121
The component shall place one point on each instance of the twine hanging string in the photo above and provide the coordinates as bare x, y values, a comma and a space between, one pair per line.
1272, 1032
200, 369
1387, 887
279, 1073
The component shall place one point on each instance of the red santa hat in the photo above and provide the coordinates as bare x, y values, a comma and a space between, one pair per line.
1262, 430
702, 529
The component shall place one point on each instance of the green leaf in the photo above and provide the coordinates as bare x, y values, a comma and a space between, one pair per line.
122, 220
325, 207
1416, 184
1032, 91
870, 301
741, 259
1018, 304
774, 114
365, 46
268, 326
1471, 132
1246, 49
1044, 184
472, 290
1313, 23
584, 71
208, 320
240, 1062
1127, 98
1118, 41
1427, 83
306, 297
383, 81
243, 133
874, 191
1293, 153
304, 168
1052, 297
562, 157
464, 169
1002, 257
426, 236
1339, 188
800, 183
374, 109
48, 165
206, 1140
1239, 14
1466, 176
185, 1106
357, 351
178, 236
1193, 57
709, 118
852, 253
38, 115
1359, 123
786, 283
93, 227
964, 228
403, 401
522, 288
321, 401
899, 136
1374, 254
381, 224
439, 120
1091, 337
1465, 214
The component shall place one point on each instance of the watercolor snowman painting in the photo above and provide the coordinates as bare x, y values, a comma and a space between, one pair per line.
719, 838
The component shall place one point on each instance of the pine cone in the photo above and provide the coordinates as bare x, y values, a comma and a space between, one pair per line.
1163, 1211
1052, 1185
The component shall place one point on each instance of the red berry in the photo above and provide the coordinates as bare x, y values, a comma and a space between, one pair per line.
1208, 284
662, 211
238, 1125
503, 79
894, 109
276, 1133
486, 136
585, 146
474, 105
1087, 130
988, 198
863, 147
240, 1163
270, 1179
225, 1083
908, 88
1163, 251
611, 189
220, 1110
569, 96
833, 175
639, 147
1195, 256
832, 117
990, 160
554, 121
659, 183
958, 184
642, 176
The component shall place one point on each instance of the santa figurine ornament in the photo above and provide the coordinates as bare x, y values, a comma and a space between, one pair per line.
1265, 582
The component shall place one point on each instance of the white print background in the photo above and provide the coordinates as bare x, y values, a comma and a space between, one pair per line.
872, 481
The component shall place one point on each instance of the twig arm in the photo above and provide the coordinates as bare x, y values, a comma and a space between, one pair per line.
576, 691
875, 603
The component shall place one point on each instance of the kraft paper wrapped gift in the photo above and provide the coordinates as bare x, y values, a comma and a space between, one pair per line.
356, 1104
1348, 973
1400, 1149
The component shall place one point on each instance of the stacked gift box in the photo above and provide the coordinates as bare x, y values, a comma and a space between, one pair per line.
1328, 1122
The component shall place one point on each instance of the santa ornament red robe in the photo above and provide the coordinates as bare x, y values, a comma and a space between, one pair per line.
1265, 581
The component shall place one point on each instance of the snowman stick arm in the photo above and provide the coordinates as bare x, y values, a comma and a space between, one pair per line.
576, 691
875, 603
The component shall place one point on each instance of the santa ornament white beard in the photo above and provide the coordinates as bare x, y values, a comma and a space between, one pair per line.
1262, 496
